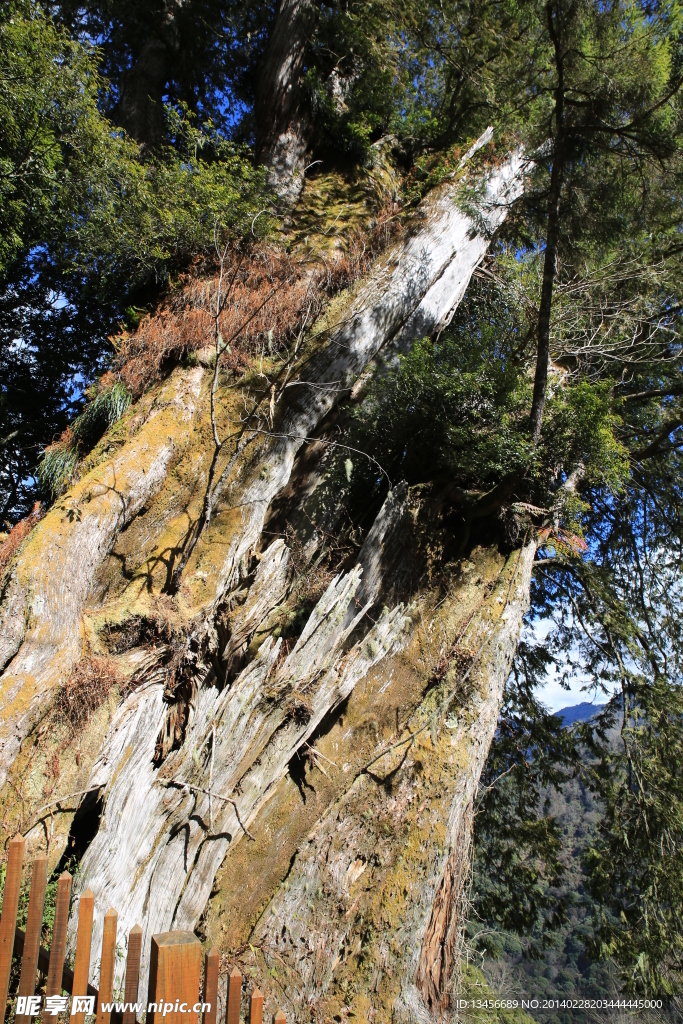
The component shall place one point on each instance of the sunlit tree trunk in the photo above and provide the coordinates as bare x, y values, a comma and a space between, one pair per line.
282, 126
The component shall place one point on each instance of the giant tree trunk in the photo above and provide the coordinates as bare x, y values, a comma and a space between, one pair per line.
140, 110
322, 789
282, 127
387, 861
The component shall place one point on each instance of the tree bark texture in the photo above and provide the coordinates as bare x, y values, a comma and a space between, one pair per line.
371, 913
140, 110
282, 127
321, 789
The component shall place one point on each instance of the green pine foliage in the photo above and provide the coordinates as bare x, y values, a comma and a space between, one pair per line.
518, 867
455, 408
76, 193
93, 220
634, 863
546, 959
451, 406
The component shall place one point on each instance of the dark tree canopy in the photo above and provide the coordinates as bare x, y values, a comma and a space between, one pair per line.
201, 54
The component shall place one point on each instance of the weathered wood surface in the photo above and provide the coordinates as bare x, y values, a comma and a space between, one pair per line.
40, 614
174, 810
160, 843
370, 914
156, 852
411, 289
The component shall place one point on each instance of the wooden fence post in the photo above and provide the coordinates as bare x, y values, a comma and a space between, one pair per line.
256, 1008
83, 940
132, 972
280, 1017
211, 986
58, 947
232, 1014
107, 962
174, 974
8, 921
34, 925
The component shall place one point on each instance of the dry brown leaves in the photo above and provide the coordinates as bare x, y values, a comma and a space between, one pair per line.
271, 296
85, 691
311, 581
17, 534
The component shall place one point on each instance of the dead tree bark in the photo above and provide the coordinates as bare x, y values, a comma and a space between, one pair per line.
391, 685
372, 912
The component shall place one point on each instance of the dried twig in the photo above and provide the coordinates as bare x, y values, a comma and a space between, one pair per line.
55, 803
216, 796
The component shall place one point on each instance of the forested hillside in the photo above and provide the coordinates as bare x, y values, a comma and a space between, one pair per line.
333, 338
554, 964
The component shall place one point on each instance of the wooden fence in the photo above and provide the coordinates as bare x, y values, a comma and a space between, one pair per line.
175, 961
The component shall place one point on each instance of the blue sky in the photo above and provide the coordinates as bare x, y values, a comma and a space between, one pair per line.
552, 693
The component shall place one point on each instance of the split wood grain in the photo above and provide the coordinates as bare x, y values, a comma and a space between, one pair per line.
427, 279
34, 924
58, 948
132, 972
107, 961
83, 941
8, 921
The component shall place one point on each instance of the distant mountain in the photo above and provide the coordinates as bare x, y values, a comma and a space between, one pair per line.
579, 712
